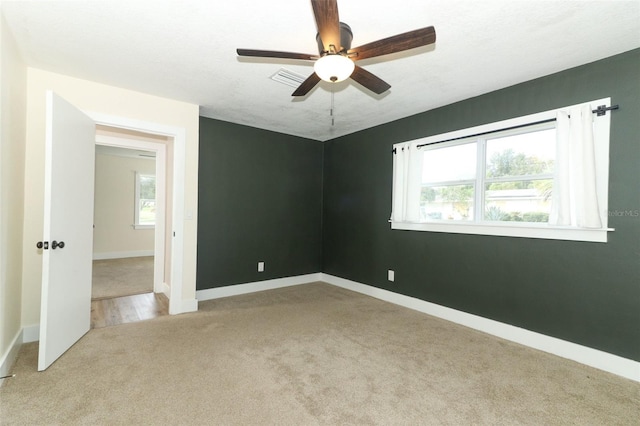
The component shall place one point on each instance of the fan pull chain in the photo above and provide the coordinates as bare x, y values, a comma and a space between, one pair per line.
331, 110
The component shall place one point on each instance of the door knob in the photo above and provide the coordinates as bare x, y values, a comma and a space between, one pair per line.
43, 245
55, 244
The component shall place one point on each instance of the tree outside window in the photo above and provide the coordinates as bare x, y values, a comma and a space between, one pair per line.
145, 211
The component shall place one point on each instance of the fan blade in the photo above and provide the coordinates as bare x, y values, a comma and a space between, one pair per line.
307, 85
393, 44
328, 21
275, 54
370, 81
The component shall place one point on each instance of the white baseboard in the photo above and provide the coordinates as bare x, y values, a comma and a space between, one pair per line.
122, 254
9, 357
166, 290
189, 305
601, 360
183, 306
234, 290
620, 366
31, 333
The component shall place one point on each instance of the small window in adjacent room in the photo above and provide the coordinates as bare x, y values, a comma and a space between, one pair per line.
145, 202
539, 176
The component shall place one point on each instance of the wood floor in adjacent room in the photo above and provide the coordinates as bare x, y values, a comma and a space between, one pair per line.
126, 309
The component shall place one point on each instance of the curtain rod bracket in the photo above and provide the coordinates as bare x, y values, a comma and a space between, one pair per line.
602, 109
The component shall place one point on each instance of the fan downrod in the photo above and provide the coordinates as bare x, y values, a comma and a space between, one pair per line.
346, 36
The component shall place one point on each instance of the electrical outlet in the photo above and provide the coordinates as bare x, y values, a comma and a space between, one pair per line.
260, 266
391, 275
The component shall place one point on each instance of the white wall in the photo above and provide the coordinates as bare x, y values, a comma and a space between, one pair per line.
114, 235
13, 77
112, 101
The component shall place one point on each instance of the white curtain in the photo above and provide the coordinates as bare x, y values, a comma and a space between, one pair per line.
574, 198
407, 183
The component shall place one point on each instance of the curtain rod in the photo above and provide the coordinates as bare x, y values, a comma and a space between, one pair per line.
600, 111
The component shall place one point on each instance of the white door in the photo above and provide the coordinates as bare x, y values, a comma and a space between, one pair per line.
68, 229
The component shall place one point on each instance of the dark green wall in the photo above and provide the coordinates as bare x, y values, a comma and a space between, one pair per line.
262, 196
587, 293
260, 199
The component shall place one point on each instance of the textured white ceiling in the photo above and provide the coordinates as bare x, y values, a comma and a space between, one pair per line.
185, 50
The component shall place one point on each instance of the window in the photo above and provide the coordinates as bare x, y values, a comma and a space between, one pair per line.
501, 177
512, 178
145, 202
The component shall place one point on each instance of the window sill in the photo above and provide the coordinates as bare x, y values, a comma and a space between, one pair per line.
542, 231
144, 226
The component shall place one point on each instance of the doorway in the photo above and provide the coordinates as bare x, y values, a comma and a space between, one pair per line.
129, 227
139, 155
174, 162
125, 208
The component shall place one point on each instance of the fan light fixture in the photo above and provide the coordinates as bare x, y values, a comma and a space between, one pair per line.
334, 67
336, 59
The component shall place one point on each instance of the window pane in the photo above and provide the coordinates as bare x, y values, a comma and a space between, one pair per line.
148, 187
521, 155
449, 164
452, 202
146, 200
518, 201
147, 214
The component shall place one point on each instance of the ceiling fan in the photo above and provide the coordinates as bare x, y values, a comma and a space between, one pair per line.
336, 60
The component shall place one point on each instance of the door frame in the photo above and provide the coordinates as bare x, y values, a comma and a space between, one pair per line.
159, 246
178, 134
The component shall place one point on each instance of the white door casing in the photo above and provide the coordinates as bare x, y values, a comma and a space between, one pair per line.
176, 303
68, 218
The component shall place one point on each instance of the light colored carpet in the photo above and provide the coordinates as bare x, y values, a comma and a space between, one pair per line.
122, 277
309, 355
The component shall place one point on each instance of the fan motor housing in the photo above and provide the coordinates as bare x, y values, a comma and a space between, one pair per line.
346, 36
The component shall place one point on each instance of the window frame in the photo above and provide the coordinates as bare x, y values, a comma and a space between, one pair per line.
136, 206
520, 229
